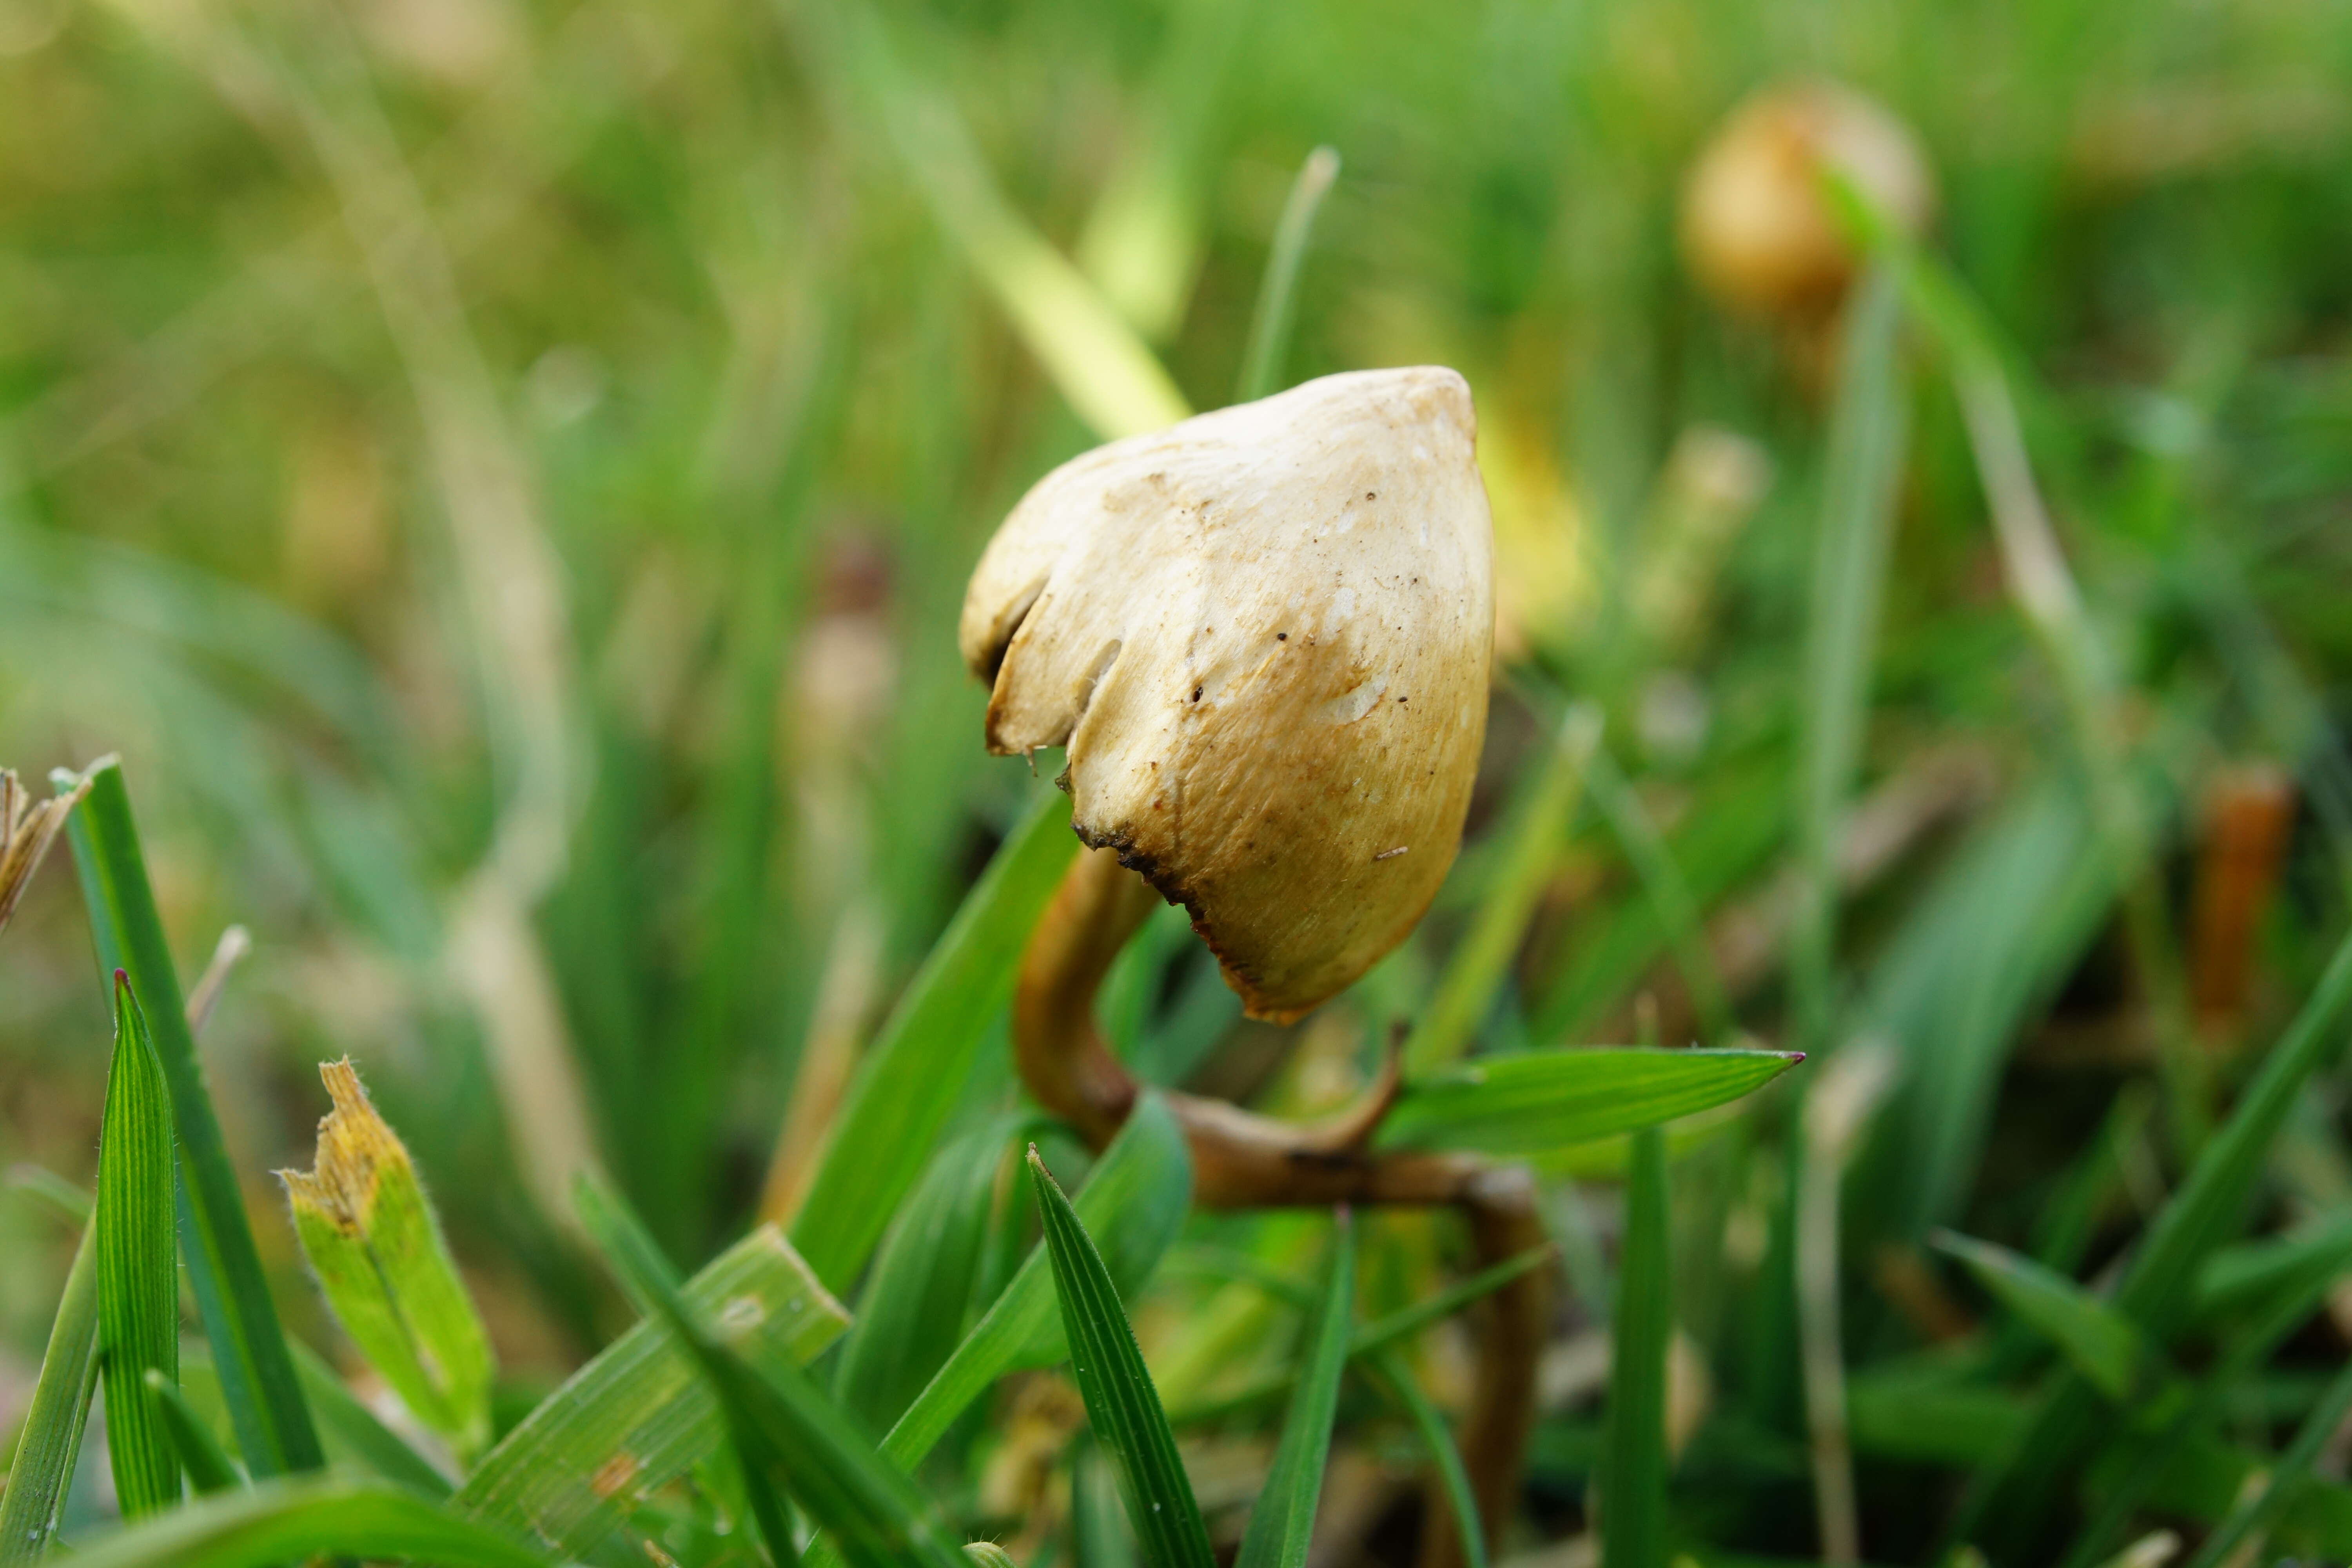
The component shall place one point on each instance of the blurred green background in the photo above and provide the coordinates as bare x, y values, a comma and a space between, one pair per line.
504, 475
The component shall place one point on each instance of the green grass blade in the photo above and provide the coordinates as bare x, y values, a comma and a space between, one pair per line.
375, 1245
2236, 1275
1375, 1339
1534, 1103
51, 1440
1136, 1198
1868, 434
2101, 1344
353, 1436
293, 1520
209, 1468
639, 1415
912, 1312
2158, 1286
138, 1277
785, 1431
1278, 295
1633, 1472
1122, 1406
1283, 1519
258, 1379
1389, 1365
911, 1074
2257, 1512
651, 1283
1108, 375
1538, 833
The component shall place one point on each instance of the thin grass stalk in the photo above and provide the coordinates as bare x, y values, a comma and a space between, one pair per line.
50, 1441
1869, 431
1634, 1462
2255, 1514
1277, 294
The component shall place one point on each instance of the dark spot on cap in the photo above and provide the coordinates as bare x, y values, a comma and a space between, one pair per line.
1371, 495
1196, 694
1281, 636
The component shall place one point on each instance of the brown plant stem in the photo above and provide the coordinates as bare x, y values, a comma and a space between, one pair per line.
1240, 1160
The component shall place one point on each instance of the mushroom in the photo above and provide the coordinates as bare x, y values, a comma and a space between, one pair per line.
1757, 226
1264, 635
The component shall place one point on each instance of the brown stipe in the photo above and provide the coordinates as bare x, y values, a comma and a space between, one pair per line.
1241, 1159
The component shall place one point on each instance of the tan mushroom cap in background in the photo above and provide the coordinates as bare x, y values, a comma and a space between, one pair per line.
1756, 229
1263, 635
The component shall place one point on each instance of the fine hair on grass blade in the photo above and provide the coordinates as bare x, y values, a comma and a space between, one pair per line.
640, 1416
293, 1520
50, 1441
208, 1466
138, 1276
1277, 293
2158, 1284
1122, 1406
912, 1076
786, 1430
1283, 1519
258, 1379
1633, 1464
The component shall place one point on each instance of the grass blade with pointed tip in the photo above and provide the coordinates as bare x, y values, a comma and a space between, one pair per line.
786, 1431
51, 1440
1283, 1516
293, 1520
257, 1378
1122, 1406
1278, 295
638, 1416
1534, 1103
209, 1468
1634, 1474
913, 1073
138, 1278
1136, 1196
2100, 1344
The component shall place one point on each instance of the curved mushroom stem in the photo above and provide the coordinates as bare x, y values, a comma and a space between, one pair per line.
1240, 1160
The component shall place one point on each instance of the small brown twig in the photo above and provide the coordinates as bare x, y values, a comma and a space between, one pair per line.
1240, 1160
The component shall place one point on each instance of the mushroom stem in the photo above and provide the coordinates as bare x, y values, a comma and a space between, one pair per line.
1240, 1160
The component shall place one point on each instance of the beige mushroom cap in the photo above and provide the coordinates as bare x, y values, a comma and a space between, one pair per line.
1756, 228
1263, 635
